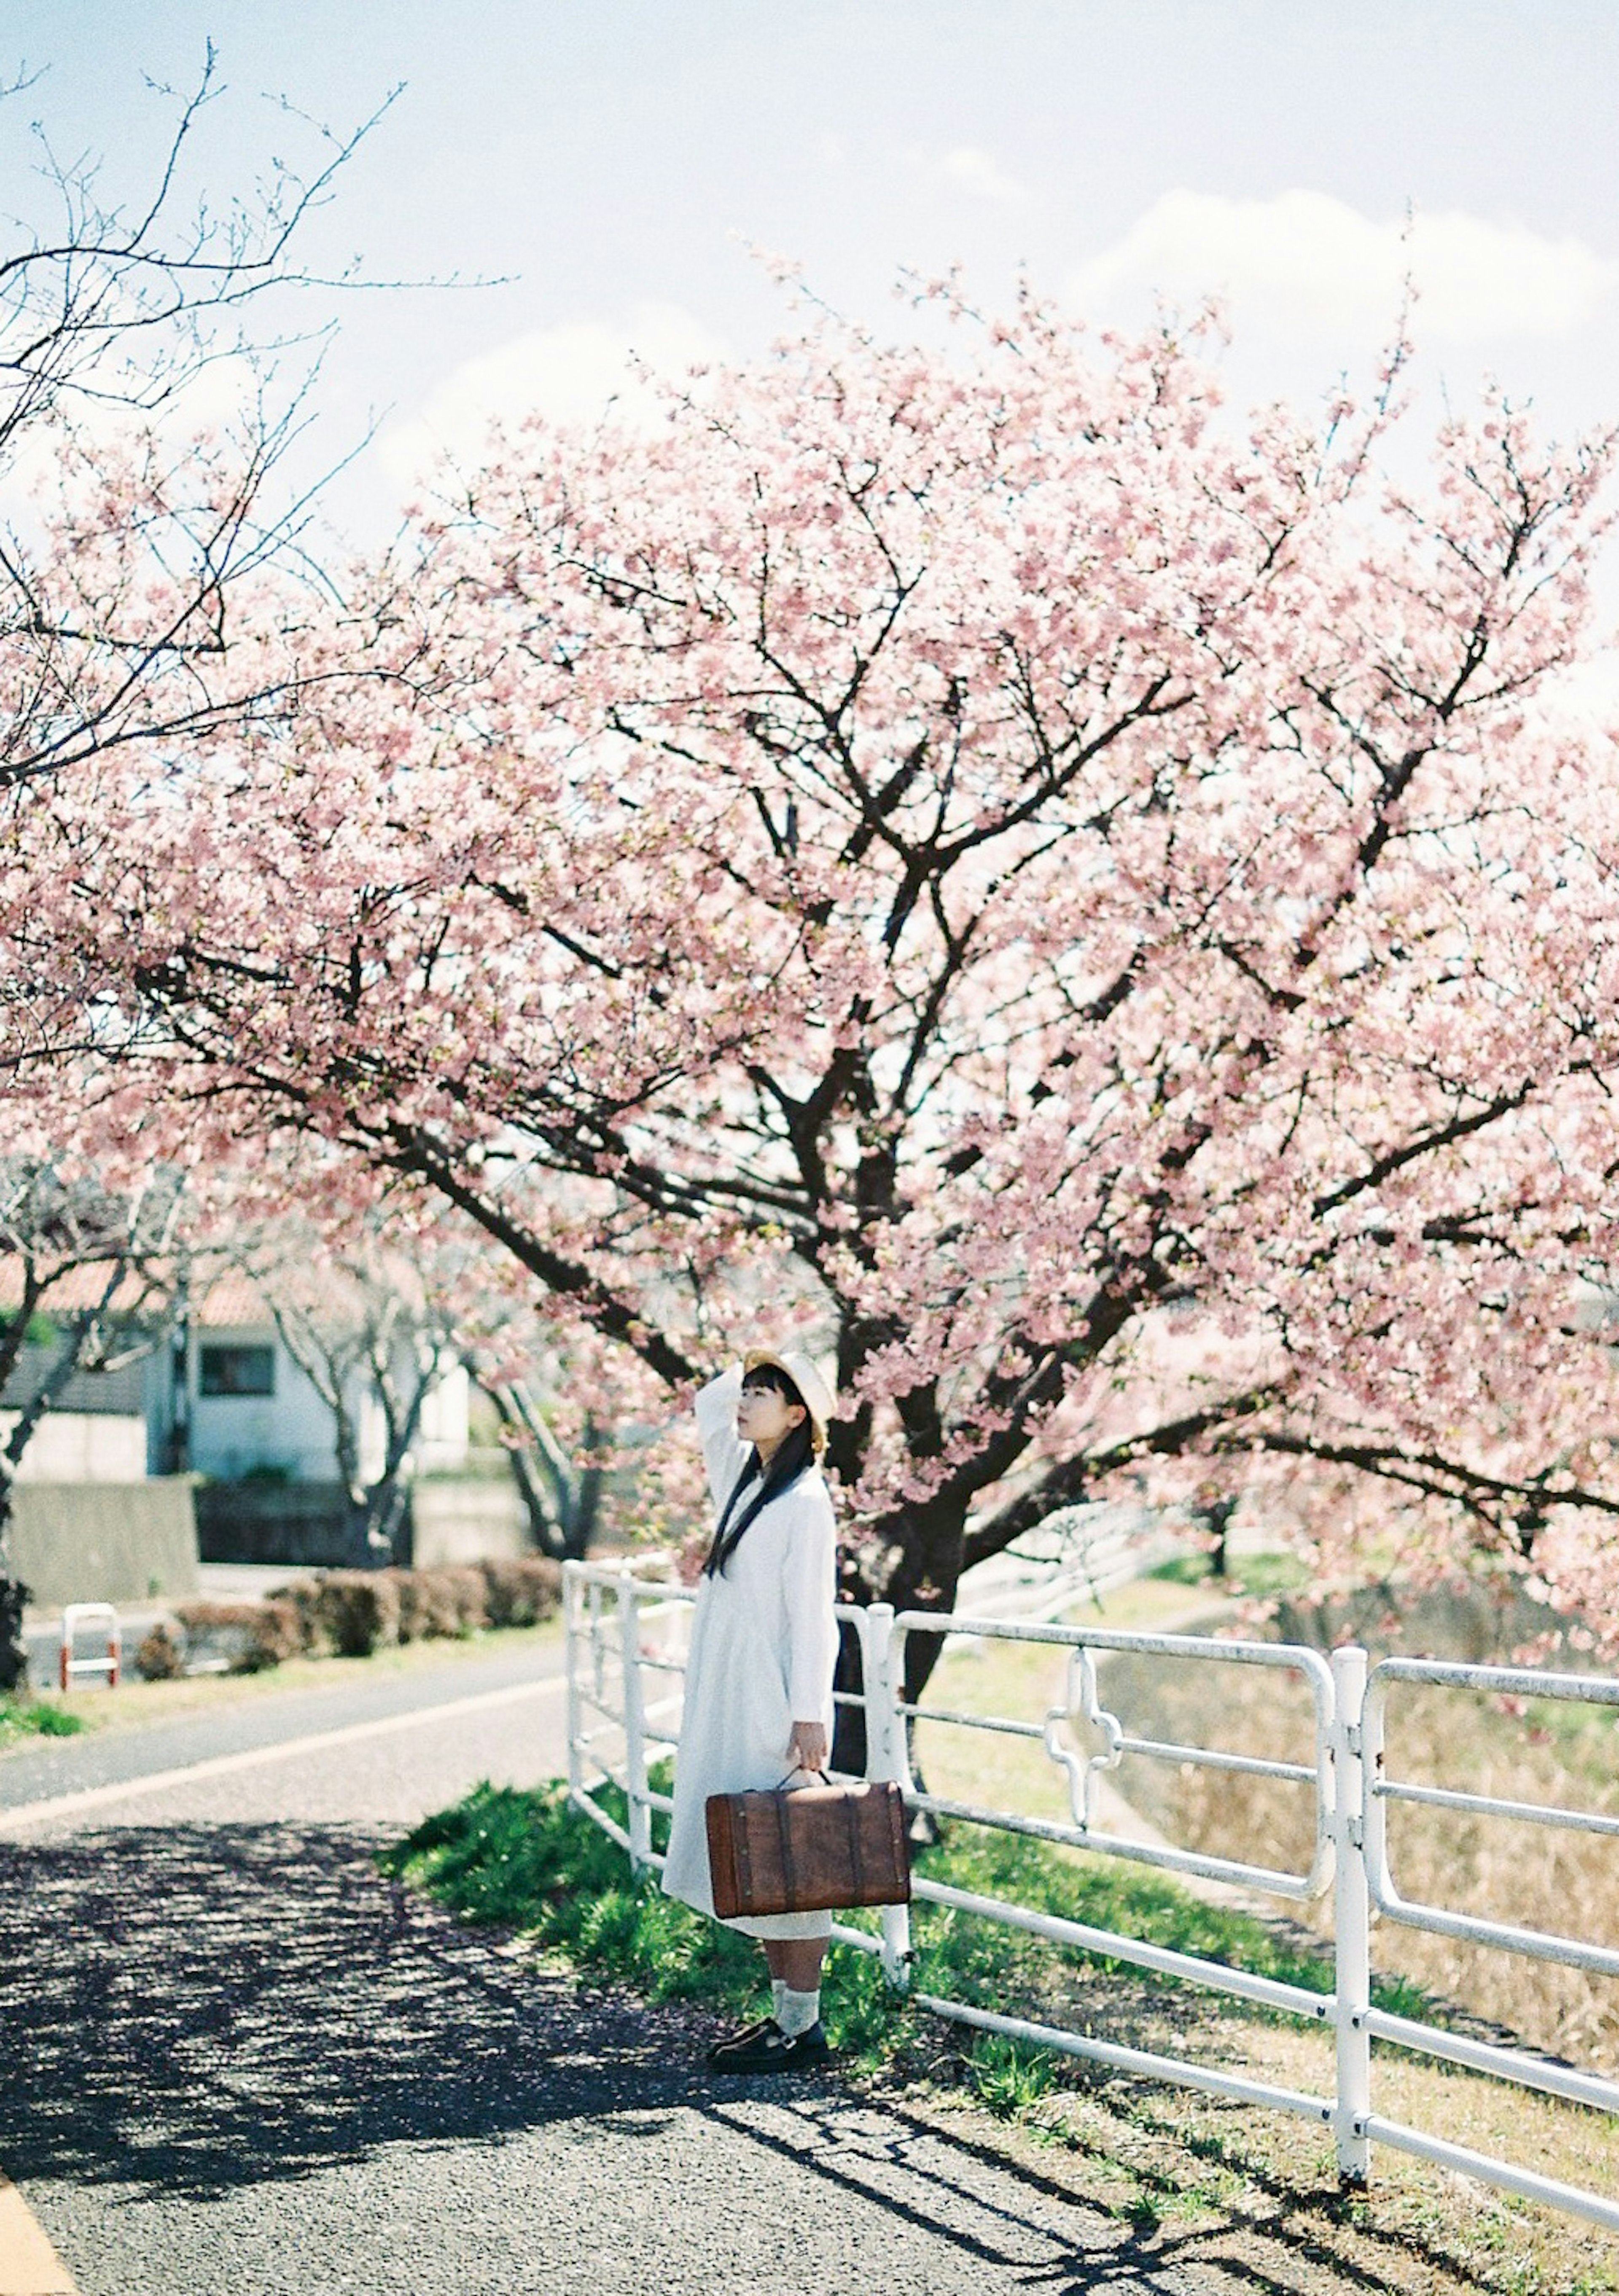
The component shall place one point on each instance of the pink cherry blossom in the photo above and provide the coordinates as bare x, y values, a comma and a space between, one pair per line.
967, 855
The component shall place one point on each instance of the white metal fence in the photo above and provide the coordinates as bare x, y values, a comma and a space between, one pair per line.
625, 1645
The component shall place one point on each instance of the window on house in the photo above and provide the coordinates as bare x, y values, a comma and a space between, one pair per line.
237, 1371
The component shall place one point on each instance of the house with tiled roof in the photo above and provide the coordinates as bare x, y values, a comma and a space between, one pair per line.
100, 1429
234, 1407
218, 1395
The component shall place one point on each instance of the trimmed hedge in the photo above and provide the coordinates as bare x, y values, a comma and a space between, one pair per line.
347, 1613
521, 1592
250, 1635
161, 1656
450, 1601
351, 1614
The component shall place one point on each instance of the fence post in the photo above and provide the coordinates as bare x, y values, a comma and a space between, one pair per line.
885, 1761
1351, 1917
572, 1602
634, 1736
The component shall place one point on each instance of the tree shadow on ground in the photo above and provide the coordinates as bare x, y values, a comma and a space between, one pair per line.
192, 2011
189, 2009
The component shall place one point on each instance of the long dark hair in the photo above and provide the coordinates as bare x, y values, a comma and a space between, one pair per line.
791, 1456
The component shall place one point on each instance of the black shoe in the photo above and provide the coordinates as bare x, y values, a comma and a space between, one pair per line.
721, 2051
766, 2049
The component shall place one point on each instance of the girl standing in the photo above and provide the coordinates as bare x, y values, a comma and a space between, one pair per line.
759, 1676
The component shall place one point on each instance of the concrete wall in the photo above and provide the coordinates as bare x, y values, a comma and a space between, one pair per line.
104, 1542
464, 1521
303, 1524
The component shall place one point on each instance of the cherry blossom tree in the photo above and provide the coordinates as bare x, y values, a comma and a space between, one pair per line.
378, 1295
562, 1497
362, 1322
1077, 905
143, 439
154, 354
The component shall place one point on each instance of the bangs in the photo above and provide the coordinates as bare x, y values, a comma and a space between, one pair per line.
773, 1376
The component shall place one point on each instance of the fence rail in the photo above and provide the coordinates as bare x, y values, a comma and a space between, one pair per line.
623, 1630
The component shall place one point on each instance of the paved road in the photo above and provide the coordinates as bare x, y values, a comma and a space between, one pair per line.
237, 2059
396, 1748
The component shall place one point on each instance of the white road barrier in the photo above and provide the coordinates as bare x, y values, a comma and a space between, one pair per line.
90, 1618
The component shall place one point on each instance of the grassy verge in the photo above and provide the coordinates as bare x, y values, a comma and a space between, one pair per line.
529, 1862
1533, 1877
35, 1717
1240, 2180
135, 1704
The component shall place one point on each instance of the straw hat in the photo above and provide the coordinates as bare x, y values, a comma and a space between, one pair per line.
813, 1391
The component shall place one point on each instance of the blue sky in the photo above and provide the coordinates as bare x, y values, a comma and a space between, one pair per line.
603, 158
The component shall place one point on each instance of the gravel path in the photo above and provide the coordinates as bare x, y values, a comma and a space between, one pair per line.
238, 2059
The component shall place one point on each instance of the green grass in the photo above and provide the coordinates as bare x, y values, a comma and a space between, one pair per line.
958, 1949
1183, 1571
35, 1717
531, 1862
1265, 1574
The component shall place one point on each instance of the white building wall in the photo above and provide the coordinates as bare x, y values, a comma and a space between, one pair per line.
292, 1432
82, 1447
446, 1428
289, 1431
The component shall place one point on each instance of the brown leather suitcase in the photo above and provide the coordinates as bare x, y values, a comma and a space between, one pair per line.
808, 1851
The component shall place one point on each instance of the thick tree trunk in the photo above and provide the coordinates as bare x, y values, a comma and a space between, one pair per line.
14, 1600
384, 1521
1217, 1522
360, 1551
926, 1547
13, 1594
13, 1650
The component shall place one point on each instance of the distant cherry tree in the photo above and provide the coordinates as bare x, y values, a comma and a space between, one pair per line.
144, 434
155, 349
367, 1327
88, 1277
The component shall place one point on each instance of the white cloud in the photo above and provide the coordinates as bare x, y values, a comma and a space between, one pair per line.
1308, 259
569, 373
976, 171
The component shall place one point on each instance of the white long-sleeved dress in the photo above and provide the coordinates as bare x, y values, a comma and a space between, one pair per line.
763, 1648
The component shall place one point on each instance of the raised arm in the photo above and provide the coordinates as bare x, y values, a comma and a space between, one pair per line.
725, 1455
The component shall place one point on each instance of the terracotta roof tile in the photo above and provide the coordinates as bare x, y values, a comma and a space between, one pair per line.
78, 1287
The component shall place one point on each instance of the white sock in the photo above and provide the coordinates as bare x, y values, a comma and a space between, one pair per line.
779, 1987
798, 2011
